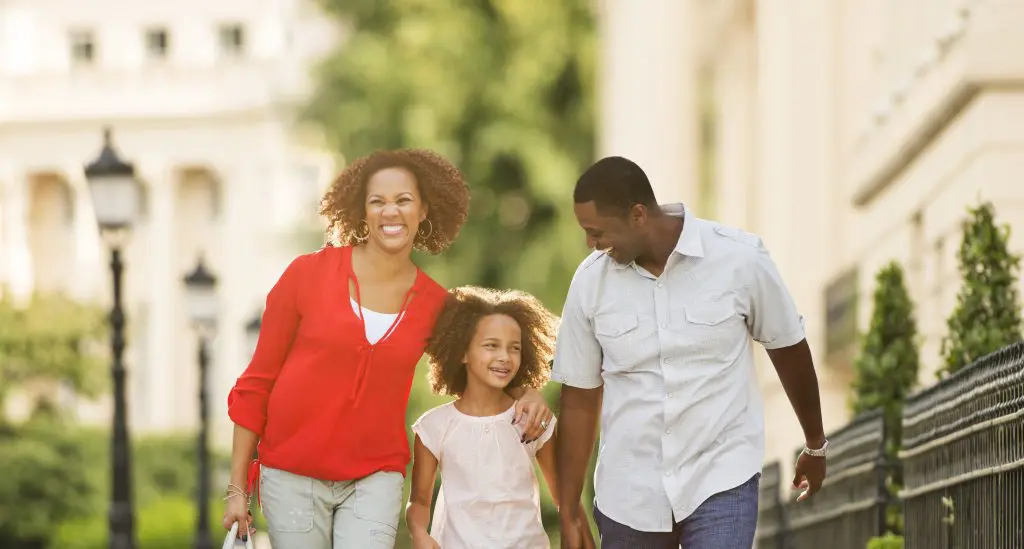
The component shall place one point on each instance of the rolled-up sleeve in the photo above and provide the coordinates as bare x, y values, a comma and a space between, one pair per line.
774, 320
247, 401
577, 352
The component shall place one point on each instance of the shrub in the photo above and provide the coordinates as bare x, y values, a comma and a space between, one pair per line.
888, 541
165, 523
41, 484
987, 314
887, 369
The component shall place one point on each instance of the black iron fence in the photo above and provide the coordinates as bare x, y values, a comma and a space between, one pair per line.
849, 510
963, 470
963, 458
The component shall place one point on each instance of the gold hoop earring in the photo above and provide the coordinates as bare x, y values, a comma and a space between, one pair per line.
365, 237
430, 232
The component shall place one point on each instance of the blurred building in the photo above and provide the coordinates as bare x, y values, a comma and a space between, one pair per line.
202, 97
845, 132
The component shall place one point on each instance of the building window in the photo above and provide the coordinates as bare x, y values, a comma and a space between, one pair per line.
157, 43
83, 47
232, 39
841, 312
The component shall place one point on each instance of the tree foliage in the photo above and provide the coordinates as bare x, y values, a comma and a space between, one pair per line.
52, 342
44, 482
503, 89
887, 368
987, 314
888, 364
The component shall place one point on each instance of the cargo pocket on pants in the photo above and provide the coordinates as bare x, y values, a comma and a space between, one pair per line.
378, 499
287, 501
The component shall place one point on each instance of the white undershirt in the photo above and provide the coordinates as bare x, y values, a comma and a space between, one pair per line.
377, 324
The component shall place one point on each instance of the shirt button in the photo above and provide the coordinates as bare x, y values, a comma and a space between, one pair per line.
665, 361
664, 326
658, 284
670, 395
668, 473
668, 431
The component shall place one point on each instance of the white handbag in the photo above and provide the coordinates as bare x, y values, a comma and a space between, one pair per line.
231, 541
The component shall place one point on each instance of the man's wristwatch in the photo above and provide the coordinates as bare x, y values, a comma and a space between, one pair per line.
820, 452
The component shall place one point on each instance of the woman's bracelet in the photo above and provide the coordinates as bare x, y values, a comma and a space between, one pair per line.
235, 491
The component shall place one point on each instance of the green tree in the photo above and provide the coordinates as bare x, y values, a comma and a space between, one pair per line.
52, 341
502, 88
887, 368
987, 314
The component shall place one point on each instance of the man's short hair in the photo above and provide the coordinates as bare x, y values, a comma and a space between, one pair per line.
615, 184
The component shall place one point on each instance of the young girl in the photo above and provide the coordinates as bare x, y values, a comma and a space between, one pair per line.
484, 343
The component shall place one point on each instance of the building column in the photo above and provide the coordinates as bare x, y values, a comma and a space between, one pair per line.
233, 268
735, 112
646, 91
797, 176
161, 276
17, 255
89, 262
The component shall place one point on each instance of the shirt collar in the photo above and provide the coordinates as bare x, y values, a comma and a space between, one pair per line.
690, 242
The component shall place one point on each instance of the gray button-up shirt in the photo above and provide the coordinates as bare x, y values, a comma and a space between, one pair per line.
682, 417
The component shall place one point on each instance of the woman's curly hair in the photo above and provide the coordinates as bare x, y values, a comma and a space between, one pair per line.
457, 324
441, 187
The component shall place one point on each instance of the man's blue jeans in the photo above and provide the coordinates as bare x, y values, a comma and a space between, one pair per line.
725, 521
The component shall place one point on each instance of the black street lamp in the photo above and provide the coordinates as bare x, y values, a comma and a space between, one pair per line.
252, 331
115, 199
201, 287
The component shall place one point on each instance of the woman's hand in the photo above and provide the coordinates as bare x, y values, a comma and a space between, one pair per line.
237, 510
532, 414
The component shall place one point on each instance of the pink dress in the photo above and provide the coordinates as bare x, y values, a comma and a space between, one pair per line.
489, 494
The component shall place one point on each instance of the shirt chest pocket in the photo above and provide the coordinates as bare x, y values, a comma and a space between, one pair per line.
712, 325
618, 335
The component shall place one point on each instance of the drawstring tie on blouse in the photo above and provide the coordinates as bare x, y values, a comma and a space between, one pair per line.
366, 348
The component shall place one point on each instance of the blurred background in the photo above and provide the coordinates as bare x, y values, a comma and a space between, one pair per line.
852, 136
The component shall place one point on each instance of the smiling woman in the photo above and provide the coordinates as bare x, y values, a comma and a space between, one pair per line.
326, 392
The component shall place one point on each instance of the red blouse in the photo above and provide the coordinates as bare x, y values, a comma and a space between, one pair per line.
325, 402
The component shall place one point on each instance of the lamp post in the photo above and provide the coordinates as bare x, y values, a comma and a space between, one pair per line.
201, 289
115, 199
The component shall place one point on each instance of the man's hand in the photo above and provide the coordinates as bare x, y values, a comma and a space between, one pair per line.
532, 414
809, 475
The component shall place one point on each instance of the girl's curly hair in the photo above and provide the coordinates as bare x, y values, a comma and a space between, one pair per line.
441, 186
458, 321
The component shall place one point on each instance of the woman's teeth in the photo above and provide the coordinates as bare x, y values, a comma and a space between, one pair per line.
392, 230
500, 372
